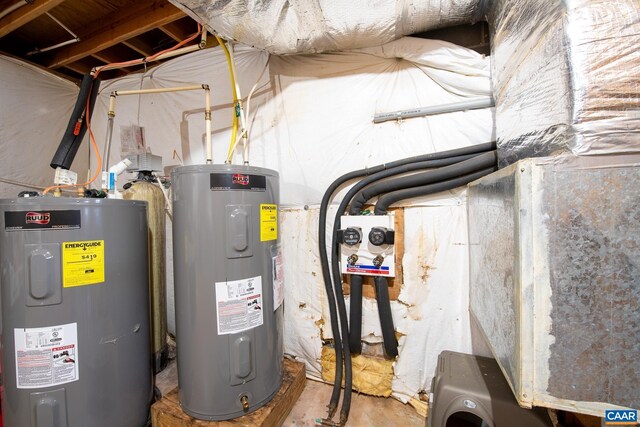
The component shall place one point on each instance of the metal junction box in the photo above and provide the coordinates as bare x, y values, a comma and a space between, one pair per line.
555, 279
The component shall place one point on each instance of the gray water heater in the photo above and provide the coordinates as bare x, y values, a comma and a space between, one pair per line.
228, 288
75, 312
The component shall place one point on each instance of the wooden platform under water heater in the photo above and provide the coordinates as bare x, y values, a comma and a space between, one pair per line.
167, 412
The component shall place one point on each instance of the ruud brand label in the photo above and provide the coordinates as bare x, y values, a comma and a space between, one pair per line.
237, 181
41, 219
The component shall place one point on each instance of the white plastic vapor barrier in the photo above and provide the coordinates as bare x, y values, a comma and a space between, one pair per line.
34, 113
311, 119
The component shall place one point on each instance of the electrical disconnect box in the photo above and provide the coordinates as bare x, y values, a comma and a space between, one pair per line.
367, 245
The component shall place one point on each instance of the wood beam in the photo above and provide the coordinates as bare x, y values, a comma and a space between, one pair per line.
79, 68
121, 25
176, 31
139, 46
118, 53
25, 14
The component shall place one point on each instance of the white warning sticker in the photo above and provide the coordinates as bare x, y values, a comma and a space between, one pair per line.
46, 356
239, 305
278, 280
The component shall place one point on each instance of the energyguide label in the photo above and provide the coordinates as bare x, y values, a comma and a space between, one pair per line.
82, 263
268, 222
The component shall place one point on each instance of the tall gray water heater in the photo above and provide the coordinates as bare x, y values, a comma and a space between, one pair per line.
228, 288
75, 313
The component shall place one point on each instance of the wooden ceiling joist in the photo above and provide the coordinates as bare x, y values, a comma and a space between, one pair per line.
139, 46
79, 68
24, 14
176, 31
122, 25
117, 53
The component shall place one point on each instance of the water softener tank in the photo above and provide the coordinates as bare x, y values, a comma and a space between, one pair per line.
228, 290
153, 195
75, 312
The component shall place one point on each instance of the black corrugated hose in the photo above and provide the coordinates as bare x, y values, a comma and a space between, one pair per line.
437, 160
386, 318
390, 198
481, 161
355, 313
374, 173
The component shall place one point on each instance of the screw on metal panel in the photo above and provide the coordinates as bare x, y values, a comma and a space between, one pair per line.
245, 402
521, 169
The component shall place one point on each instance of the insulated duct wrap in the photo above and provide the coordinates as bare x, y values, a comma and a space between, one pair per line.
564, 72
565, 77
303, 26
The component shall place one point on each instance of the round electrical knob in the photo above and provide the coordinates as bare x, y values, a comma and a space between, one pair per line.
352, 236
377, 236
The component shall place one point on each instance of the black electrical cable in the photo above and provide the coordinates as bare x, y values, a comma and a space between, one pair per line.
355, 313
326, 273
481, 161
390, 198
386, 319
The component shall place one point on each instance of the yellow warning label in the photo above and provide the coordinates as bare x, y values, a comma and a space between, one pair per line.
82, 263
268, 222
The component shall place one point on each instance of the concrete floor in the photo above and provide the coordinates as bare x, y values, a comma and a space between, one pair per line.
366, 411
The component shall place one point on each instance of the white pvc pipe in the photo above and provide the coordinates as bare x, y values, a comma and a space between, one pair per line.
63, 26
472, 104
55, 46
12, 8
115, 171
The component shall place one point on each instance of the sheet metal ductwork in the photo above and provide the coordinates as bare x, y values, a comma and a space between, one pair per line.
563, 71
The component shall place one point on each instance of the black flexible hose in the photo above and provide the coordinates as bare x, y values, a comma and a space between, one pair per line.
481, 161
355, 314
326, 273
388, 199
336, 277
386, 319
77, 126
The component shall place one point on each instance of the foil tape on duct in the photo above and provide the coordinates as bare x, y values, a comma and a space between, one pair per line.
565, 77
304, 26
